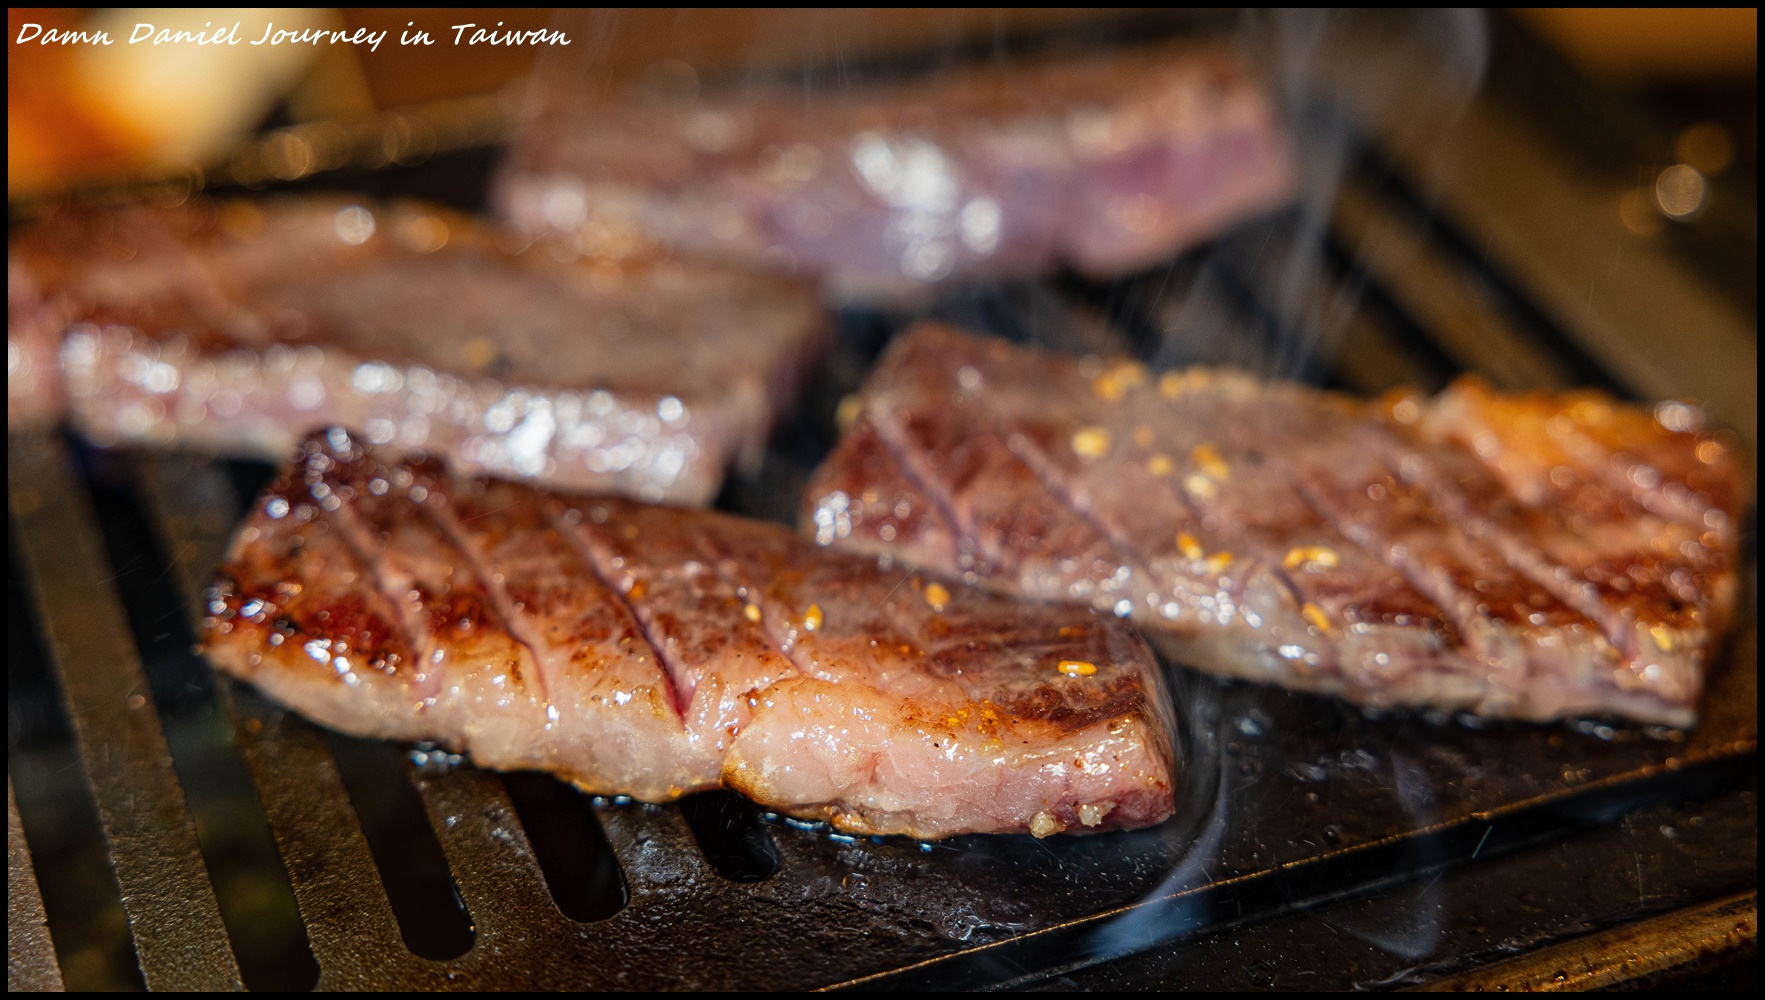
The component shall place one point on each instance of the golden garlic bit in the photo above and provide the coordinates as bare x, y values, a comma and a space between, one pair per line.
1112, 385
937, 596
1313, 558
1663, 637
1091, 443
1209, 462
1077, 668
1190, 548
1160, 465
985, 714
812, 618
1315, 616
1200, 487
751, 612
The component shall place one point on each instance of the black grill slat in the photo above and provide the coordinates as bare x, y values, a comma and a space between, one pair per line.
1454, 305
350, 925
238, 850
176, 922
30, 955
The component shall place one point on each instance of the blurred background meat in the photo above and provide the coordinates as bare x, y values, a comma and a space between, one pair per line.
1007, 169
241, 325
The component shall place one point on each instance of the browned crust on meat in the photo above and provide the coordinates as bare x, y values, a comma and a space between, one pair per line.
654, 651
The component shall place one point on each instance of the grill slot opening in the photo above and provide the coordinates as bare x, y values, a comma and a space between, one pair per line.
579, 867
730, 832
431, 914
251, 885
72, 862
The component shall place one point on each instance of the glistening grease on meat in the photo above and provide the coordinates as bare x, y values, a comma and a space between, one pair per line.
652, 652
1533, 557
242, 325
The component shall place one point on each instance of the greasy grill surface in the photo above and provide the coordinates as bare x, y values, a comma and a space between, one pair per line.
1293, 801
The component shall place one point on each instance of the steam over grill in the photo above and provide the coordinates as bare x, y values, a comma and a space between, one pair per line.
1314, 846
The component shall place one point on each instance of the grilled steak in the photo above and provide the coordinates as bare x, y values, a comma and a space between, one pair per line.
1110, 164
1531, 557
243, 326
654, 651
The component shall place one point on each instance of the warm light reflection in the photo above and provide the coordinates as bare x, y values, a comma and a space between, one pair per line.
1680, 191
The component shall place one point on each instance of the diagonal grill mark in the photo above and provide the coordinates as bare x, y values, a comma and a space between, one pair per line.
1522, 557
1043, 470
441, 515
1451, 634
358, 539
713, 558
1043, 476
1241, 539
1382, 554
925, 484
1274, 567
578, 534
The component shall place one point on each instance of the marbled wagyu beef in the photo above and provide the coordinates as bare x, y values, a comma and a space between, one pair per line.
653, 651
1525, 556
243, 325
1108, 163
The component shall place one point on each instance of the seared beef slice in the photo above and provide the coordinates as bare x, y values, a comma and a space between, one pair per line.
1109, 163
653, 651
243, 325
1532, 557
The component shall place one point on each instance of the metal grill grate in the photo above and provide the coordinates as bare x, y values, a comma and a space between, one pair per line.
1293, 803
